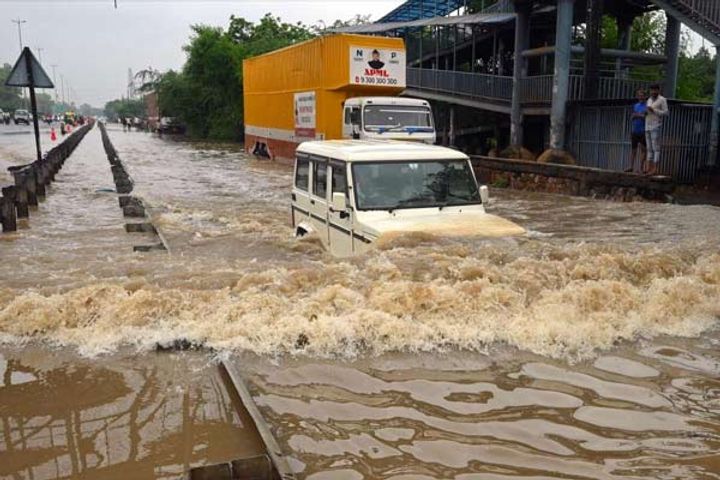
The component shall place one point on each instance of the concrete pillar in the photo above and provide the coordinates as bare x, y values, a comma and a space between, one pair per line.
715, 124
451, 127
472, 55
672, 50
522, 37
591, 70
437, 48
561, 76
624, 26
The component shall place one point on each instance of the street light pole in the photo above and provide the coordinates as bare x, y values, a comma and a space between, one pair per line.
19, 22
40, 50
54, 82
62, 88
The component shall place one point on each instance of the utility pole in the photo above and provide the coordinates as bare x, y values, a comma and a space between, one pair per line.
62, 88
19, 21
54, 82
40, 50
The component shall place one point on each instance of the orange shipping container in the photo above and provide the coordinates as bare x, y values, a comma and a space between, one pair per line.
297, 93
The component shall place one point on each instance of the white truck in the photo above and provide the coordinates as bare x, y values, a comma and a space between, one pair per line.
397, 118
354, 193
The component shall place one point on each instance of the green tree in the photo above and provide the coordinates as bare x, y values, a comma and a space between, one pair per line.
10, 98
125, 108
648, 33
696, 76
207, 94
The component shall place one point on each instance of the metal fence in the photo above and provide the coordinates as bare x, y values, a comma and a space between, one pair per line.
461, 83
600, 137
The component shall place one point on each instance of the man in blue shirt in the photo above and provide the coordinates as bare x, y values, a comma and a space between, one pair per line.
637, 137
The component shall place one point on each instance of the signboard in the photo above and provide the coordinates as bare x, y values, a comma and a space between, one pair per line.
377, 67
27, 72
305, 113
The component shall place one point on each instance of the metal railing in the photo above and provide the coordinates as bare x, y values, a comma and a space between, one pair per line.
538, 89
704, 11
599, 137
474, 85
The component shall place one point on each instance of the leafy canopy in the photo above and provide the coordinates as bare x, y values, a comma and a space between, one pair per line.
207, 93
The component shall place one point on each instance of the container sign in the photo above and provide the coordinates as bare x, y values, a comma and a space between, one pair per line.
377, 66
305, 114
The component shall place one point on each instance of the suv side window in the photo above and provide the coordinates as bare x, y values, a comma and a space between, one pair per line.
347, 115
302, 173
320, 179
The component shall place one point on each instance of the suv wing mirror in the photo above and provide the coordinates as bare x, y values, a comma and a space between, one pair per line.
484, 194
355, 116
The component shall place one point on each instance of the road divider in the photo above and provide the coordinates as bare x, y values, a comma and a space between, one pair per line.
32, 179
132, 207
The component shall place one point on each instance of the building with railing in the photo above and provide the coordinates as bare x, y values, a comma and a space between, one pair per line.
538, 72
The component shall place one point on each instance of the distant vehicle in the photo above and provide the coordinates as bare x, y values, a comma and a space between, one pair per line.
22, 116
170, 125
354, 193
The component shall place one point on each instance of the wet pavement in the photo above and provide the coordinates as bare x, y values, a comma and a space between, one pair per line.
586, 350
115, 417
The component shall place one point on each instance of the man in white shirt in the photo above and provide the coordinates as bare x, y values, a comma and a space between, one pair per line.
657, 110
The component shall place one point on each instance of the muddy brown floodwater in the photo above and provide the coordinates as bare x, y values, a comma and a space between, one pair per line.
588, 349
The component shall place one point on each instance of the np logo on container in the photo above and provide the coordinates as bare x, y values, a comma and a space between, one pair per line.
377, 67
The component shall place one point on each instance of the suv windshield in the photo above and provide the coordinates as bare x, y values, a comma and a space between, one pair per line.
414, 184
381, 118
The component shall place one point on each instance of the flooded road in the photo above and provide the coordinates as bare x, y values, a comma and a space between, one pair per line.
586, 350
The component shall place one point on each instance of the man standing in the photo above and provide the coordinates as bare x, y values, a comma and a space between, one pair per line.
657, 110
637, 136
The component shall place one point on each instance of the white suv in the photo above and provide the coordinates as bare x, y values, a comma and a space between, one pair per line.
352, 192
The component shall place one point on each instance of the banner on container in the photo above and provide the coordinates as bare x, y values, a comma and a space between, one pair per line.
305, 113
377, 66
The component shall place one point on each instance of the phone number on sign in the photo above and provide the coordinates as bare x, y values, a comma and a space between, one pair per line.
376, 81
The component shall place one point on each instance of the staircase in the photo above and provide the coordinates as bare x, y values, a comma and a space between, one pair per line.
702, 16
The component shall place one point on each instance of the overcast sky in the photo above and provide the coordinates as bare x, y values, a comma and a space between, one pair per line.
94, 44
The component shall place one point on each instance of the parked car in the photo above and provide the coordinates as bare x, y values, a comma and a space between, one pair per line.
170, 125
22, 116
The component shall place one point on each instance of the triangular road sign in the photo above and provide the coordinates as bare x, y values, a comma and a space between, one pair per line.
22, 76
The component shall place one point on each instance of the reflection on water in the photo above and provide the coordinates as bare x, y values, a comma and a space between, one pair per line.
501, 416
140, 417
624, 297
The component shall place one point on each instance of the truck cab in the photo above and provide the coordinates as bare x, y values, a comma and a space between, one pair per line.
353, 194
394, 118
